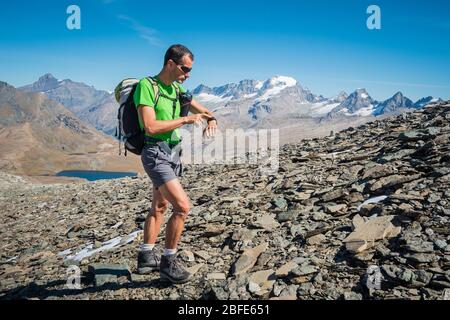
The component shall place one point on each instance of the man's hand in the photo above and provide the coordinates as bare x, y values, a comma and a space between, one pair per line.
197, 118
210, 130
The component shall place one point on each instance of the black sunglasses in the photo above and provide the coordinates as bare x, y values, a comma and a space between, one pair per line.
183, 68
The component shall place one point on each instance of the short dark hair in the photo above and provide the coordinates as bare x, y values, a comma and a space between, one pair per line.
176, 53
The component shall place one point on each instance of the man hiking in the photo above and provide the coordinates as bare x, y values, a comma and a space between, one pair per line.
160, 118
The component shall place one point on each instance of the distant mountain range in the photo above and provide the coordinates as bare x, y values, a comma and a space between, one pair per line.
39, 135
95, 107
247, 104
282, 94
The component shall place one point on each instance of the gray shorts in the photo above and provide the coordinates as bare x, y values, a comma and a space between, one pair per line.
160, 165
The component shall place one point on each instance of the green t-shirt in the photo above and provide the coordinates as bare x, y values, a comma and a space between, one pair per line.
144, 95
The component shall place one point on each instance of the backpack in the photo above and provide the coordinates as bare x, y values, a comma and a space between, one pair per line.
128, 129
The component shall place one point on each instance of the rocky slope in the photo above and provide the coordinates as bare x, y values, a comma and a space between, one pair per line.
362, 214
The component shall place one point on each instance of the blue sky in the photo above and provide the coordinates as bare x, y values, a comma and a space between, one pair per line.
325, 45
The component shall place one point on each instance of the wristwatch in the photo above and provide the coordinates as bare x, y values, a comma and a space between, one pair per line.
211, 119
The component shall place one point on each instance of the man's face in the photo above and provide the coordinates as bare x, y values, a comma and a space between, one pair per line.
181, 71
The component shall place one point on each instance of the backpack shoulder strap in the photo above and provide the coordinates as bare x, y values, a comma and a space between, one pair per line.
177, 89
155, 88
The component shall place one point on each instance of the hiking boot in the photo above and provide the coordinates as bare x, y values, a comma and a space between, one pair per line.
148, 261
173, 270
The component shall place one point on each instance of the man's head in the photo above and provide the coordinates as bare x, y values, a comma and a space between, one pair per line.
178, 62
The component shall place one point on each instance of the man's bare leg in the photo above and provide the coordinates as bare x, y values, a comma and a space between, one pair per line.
155, 218
170, 267
175, 194
148, 260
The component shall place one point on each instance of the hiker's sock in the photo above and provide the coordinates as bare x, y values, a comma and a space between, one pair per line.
169, 252
146, 247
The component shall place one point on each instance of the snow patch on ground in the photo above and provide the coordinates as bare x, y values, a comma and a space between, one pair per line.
89, 250
371, 200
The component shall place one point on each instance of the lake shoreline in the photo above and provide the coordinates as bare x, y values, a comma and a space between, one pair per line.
94, 175
47, 179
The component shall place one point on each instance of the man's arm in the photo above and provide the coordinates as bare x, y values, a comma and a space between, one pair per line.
153, 126
196, 107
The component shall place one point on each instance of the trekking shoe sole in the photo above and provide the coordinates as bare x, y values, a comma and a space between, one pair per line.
175, 281
147, 270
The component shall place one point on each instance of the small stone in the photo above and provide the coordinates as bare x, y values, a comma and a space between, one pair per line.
315, 240
266, 222
280, 203
109, 269
195, 268
244, 234
137, 277
278, 287
301, 279
392, 180
440, 244
420, 257
319, 216
264, 278
336, 208
302, 196
382, 250
365, 234
253, 287
263, 259
296, 229
434, 197
420, 246
216, 276
287, 216
410, 135
187, 256
335, 194
446, 294
304, 270
248, 259
407, 275
364, 256
289, 291
202, 254
284, 270
101, 279
352, 296
97, 244
219, 293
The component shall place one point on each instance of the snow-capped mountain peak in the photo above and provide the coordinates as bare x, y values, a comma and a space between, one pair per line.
282, 81
245, 89
274, 86
357, 103
427, 100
